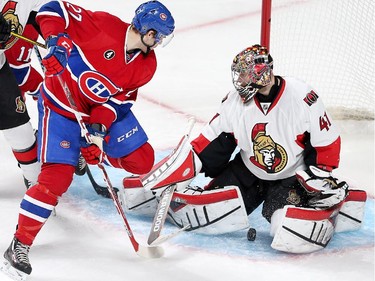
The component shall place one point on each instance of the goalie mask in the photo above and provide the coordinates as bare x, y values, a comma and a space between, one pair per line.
251, 71
153, 15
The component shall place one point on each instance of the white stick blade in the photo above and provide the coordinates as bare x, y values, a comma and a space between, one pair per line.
150, 252
162, 239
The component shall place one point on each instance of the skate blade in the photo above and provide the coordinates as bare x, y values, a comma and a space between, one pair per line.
11, 272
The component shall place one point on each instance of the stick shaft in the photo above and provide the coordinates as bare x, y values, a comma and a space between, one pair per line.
28, 40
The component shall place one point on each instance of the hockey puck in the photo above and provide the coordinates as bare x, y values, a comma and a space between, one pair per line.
251, 234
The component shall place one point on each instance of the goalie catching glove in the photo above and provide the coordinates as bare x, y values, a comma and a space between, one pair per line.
325, 189
93, 152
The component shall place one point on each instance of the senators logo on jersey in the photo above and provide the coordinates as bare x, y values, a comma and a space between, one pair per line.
9, 14
268, 155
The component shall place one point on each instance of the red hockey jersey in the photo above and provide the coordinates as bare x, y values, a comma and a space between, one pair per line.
101, 78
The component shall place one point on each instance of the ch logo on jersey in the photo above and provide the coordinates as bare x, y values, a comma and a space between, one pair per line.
268, 155
96, 86
109, 54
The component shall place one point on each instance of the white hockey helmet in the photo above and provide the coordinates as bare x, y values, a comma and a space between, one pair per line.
251, 71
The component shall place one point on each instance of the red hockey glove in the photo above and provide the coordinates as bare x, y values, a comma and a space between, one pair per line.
325, 190
91, 152
59, 49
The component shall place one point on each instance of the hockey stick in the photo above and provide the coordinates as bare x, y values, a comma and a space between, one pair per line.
147, 252
154, 237
143, 251
159, 219
99, 189
28, 40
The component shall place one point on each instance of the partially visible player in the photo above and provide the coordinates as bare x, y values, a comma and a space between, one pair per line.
29, 81
14, 119
103, 61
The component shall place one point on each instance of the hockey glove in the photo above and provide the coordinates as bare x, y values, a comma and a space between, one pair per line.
93, 152
59, 49
5, 29
326, 192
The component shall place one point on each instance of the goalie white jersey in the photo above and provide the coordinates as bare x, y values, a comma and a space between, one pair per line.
273, 137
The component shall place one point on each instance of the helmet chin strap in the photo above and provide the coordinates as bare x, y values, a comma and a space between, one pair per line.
148, 46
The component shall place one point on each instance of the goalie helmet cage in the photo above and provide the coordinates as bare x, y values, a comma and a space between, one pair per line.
329, 45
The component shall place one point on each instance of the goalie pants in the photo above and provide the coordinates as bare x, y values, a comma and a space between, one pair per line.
273, 194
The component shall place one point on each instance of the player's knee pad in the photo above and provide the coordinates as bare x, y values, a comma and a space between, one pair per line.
20, 137
302, 230
140, 161
215, 211
56, 177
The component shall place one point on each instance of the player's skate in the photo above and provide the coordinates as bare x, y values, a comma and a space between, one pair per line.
16, 264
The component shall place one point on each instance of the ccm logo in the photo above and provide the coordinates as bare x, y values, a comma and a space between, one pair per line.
127, 135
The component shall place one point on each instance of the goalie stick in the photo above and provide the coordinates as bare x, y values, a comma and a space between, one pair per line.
154, 237
143, 251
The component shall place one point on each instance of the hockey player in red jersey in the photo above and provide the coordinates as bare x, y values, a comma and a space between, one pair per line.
19, 17
287, 146
103, 61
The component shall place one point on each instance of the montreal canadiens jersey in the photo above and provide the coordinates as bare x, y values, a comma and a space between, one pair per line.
102, 78
17, 12
273, 137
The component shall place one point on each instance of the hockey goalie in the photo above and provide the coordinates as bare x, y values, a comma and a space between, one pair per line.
272, 143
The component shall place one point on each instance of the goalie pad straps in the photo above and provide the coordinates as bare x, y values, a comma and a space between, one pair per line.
302, 230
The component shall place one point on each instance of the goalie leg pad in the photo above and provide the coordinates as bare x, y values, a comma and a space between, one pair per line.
352, 211
136, 199
302, 230
215, 211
